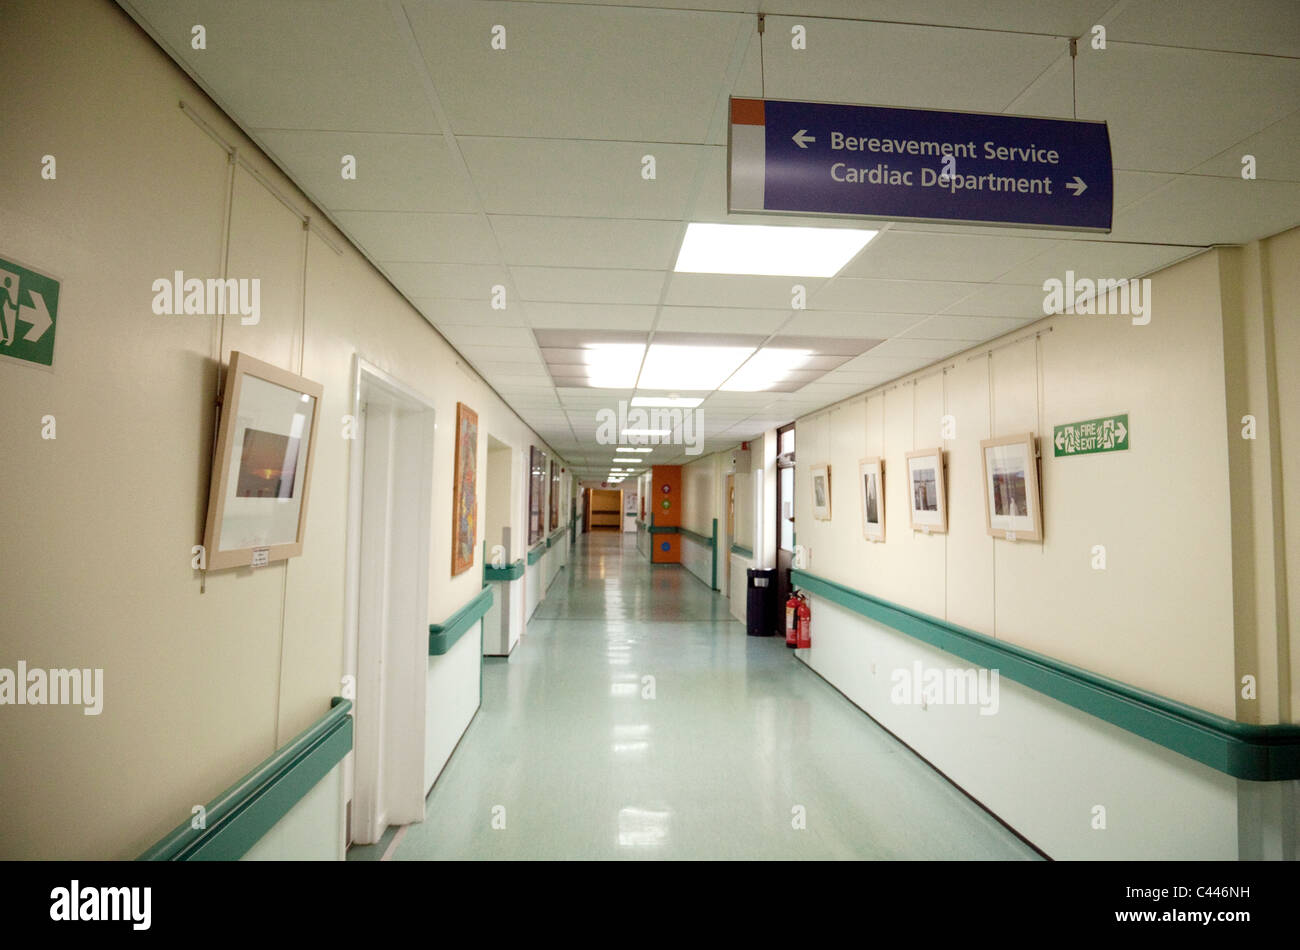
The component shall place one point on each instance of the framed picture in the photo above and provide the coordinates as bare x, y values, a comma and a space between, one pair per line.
464, 496
536, 486
821, 490
871, 473
925, 490
555, 495
257, 502
1012, 503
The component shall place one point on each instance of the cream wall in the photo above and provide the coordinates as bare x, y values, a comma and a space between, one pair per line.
699, 494
199, 685
1281, 279
1155, 617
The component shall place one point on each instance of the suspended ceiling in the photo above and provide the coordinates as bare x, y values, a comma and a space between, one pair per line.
522, 167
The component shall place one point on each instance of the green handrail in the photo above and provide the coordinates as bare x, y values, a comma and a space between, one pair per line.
742, 551
535, 554
442, 636
510, 572
703, 539
240, 816
1242, 750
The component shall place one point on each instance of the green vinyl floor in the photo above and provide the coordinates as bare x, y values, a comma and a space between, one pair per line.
636, 720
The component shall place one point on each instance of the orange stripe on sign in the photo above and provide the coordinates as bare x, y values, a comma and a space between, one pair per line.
747, 112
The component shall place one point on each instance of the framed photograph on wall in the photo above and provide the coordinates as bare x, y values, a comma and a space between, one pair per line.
257, 502
925, 492
555, 495
1012, 504
536, 486
464, 496
871, 472
821, 492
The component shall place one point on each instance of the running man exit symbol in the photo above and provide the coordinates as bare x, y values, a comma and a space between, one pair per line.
29, 306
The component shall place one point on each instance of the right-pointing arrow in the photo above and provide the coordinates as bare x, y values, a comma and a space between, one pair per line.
38, 316
1121, 433
1078, 186
802, 138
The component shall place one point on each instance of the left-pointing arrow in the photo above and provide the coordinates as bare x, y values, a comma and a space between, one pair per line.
38, 316
802, 138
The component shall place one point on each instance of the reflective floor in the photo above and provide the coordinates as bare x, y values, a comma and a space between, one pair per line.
637, 720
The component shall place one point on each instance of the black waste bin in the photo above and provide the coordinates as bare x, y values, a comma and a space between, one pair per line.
760, 602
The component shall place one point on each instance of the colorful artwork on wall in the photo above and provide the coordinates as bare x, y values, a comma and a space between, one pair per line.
555, 495
536, 486
464, 523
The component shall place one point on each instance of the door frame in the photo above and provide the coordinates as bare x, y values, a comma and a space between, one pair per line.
387, 589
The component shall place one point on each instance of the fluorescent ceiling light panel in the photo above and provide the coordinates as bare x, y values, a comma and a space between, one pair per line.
765, 369
613, 365
690, 367
768, 250
648, 432
667, 402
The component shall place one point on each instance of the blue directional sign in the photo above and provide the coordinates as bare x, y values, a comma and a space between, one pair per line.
919, 164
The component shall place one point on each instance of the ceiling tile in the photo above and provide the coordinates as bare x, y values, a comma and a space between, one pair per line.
889, 296
728, 290
667, 69
923, 255
587, 242
299, 64
465, 281
390, 236
394, 172
584, 285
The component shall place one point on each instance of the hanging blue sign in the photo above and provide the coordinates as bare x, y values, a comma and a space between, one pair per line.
813, 158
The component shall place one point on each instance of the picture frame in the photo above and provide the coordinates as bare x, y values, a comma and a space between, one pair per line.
821, 491
871, 479
1013, 507
927, 497
261, 471
464, 500
555, 495
536, 486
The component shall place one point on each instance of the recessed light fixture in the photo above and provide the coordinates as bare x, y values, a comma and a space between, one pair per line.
613, 365
765, 369
648, 432
669, 366
768, 250
667, 402
633, 461
624, 448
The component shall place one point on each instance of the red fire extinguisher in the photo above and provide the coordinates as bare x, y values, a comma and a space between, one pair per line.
803, 639
792, 618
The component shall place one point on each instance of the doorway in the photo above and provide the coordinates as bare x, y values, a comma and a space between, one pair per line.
386, 601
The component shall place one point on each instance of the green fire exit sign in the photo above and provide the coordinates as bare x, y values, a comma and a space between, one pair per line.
1107, 434
29, 307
